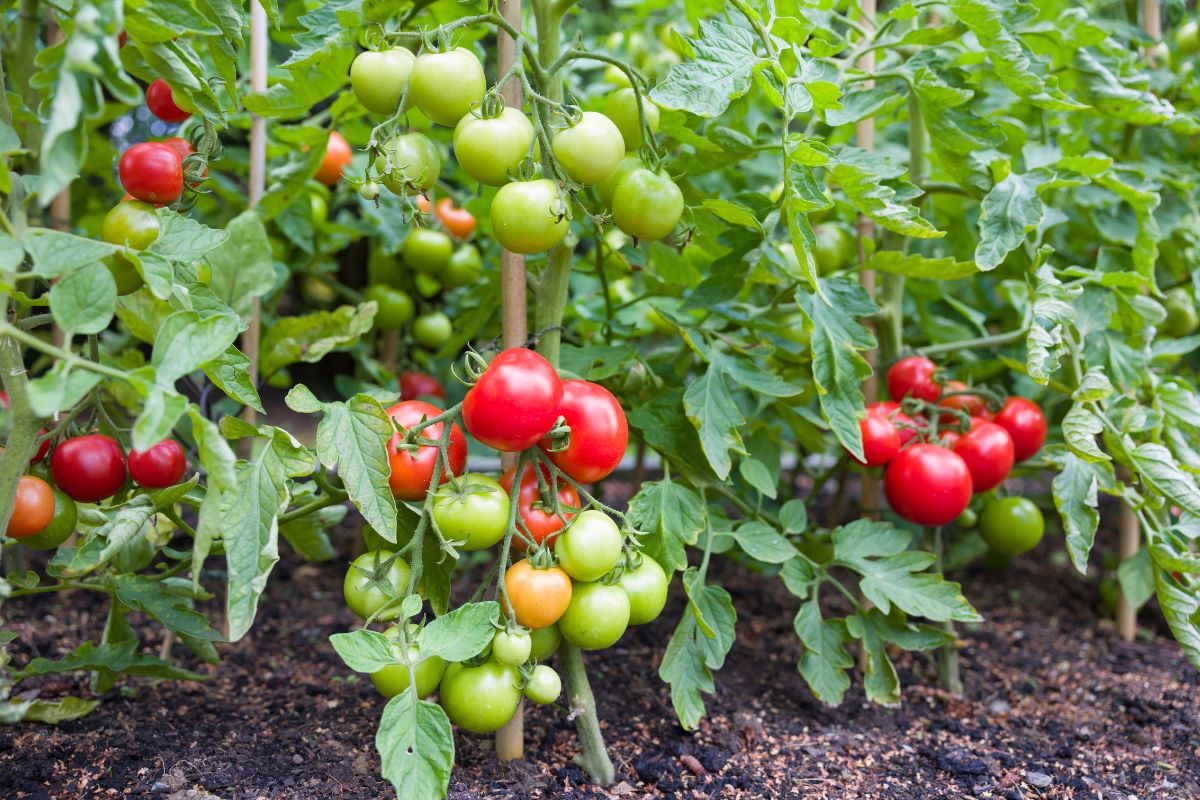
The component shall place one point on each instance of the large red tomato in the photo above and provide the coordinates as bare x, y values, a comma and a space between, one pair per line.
881, 440
599, 432
987, 450
1025, 423
152, 171
515, 402
412, 470
971, 403
159, 466
540, 522
420, 384
913, 377
89, 468
161, 102
928, 484
906, 426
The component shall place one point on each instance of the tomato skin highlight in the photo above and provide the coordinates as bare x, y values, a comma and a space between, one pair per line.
987, 450
539, 597
1025, 423
337, 157
419, 384
412, 471
33, 508
161, 102
597, 616
515, 402
599, 432
1011, 525
88, 468
913, 376
927, 484
881, 440
646, 205
529, 216
541, 524
646, 588
152, 171
161, 466
480, 699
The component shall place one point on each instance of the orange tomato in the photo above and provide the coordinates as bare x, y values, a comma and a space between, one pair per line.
33, 508
458, 221
337, 156
538, 596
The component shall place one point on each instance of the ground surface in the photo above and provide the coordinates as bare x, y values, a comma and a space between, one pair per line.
1054, 707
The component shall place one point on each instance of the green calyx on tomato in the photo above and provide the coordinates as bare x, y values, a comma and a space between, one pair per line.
412, 163
491, 149
378, 78
530, 216
471, 511
375, 584
395, 306
647, 205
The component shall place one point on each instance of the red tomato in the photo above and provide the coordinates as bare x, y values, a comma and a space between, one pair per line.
458, 221
161, 466
971, 403
419, 384
412, 470
161, 102
337, 156
179, 145
987, 450
89, 468
599, 432
540, 523
906, 426
1025, 423
152, 171
927, 484
948, 438
913, 377
33, 508
881, 440
43, 448
515, 402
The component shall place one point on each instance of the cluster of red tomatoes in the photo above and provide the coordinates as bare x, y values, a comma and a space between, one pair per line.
931, 474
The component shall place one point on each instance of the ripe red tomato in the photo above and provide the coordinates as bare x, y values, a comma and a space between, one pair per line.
1025, 423
971, 403
419, 384
988, 451
89, 468
515, 402
161, 102
179, 145
161, 466
412, 470
43, 448
913, 377
905, 425
541, 523
458, 221
152, 171
881, 440
337, 156
927, 484
599, 432
33, 508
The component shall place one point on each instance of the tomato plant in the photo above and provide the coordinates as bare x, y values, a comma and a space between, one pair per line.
539, 517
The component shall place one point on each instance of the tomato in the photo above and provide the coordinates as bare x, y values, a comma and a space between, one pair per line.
433, 330
161, 102
952, 397
881, 440
466, 266
376, 579
472, 509
1182, 318
33, 508
337, 157
905, 425
544, 685
152, 171
987, 450
88, 468
459, 221
1025, 423
538, 596
591, 149
913, 377
418, 384
480, 699
834, 250
318, 210
515, 402
179, 145
545, 642
590, 547
427, 285
609, 186
646, 588
596, 617
540, 522
369, 191
599, 432
967, 520
948, 438
489, 150
445, 85
133, 224
529, 216
1012, 525
394, 679
647, 206
161, 466
61, 526
1187, 37
927, 484
621, 108
411, 471
511, 647
395, 306
43, 448
378, 78
427, 251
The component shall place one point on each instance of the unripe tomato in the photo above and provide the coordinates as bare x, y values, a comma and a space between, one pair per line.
369, 191
881, 440
480, 699
987, 450
412, 470
161, 102
1025, 423
152, 171
459, 221
417, 384
590, 547
490, 149
395, 306
913, 376
432, 330
33, 508
927, 484
445, 85
61, 526
646, 588
545, 642
599, 432
472, 510
337, 157
427, 250
366, 594
511, 647
378, 78
1012, 525
466, 266
133, 224
394, 679
647, 206
621, 108
529, 216
538, 596
591, 149
1187, 37
596, 617
834, 250
608, 187
161, 466
1182, 319
88, 468
541, 522
515, 402
544, 685
427, 286
413, 162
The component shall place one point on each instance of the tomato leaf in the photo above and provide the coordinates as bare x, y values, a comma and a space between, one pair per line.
364, 650
671, 515
691, 655
866, 179
416, 746
721, 70
311, 337
84, 301
825, 663
463, 633
1009, 211
760, 541
915, 265
242, 265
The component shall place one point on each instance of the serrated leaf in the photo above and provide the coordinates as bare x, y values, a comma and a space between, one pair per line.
864, 177
416, 746
1076, 496
1009, 211
364, 650
84, 301
759, 540
915, 265
311, 337
825, 663
352, 439
463, 633
672, 517
1156, 466
691, 655
721, 70
1080, 428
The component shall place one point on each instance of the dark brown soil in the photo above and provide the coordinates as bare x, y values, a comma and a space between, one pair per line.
1054, 707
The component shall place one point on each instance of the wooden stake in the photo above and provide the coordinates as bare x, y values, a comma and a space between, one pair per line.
864, 136
258, 171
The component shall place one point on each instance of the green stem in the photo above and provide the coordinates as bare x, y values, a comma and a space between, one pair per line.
995, 340
593, 757
23, 435
947, 657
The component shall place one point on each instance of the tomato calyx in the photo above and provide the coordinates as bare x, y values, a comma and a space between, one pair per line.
378, 578
541, 556
559, 436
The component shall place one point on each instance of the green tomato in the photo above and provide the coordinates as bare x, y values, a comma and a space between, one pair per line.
428, 251
395, 306
369, 191
433, 330
427, 285
412, 163
1187, 37
590, 547
590, 150
1182, 319
132, 223
466, 266
511, 648
61, 526
382, 268
472, 509
646, 588
544, 685
378, 78
834, 248
1011, 526
489, 149
545, 642
480, 699
318, 205
365, 593
609, 186
445, 85
596, 616
621, 108
394, 679
529, 216
647, 206
967, 519
317, 292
